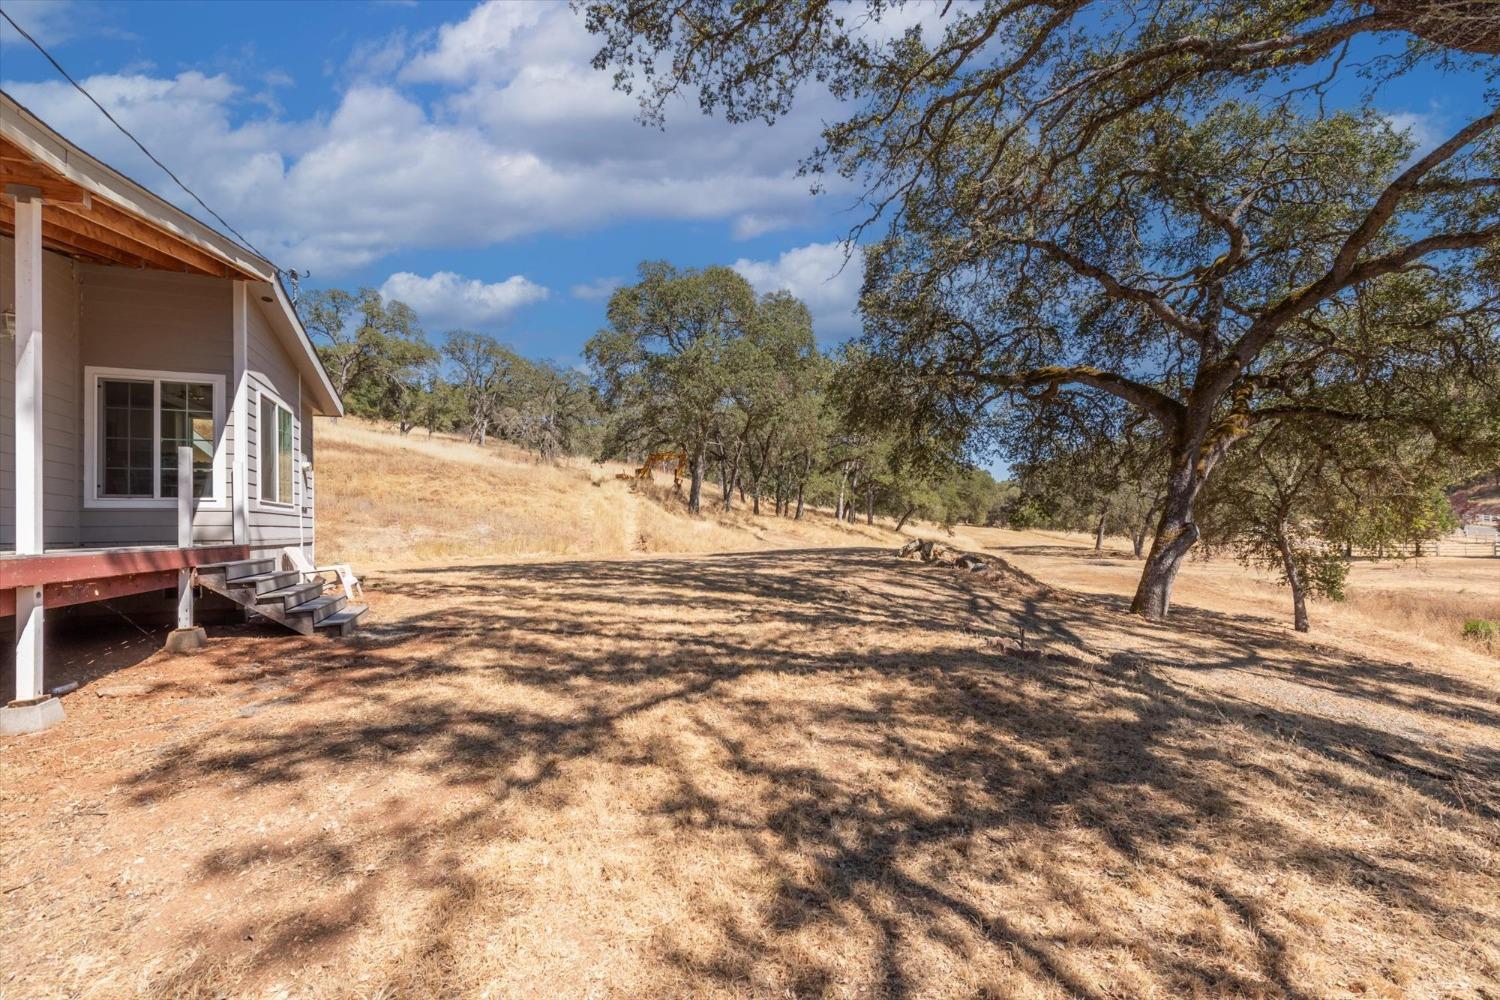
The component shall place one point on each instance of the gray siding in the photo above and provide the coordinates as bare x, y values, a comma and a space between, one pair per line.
112, 317
156, 320
309, 483
270, 369
62, 420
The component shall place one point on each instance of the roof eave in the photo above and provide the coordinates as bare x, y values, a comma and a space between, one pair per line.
54, 151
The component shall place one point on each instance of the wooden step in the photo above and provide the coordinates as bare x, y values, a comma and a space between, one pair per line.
265, 583
291, 595
344, 622
319, 608
282, 596
233, 572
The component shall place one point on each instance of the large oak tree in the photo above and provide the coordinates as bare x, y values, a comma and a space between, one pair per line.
1145, 201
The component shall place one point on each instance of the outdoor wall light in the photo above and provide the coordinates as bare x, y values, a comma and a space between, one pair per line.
8, 323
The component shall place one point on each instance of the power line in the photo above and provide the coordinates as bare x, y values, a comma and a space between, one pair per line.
139, 145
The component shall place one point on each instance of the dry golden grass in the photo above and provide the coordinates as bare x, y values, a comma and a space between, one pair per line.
385, 498
778, 773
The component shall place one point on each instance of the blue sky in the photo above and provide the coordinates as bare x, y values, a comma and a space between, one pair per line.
463, 157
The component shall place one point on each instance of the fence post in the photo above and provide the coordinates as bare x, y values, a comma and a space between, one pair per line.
186, 637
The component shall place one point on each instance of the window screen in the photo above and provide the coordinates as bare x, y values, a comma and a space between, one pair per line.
187, 418
284, 466
266, 429
125, 437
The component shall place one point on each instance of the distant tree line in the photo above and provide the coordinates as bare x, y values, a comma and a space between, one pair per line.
690, 360
383, 367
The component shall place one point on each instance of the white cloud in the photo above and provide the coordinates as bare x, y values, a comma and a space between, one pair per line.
821, 276
48, 21
1423, 128
520, 136
475, 47
445, 299
749, 226
596, 290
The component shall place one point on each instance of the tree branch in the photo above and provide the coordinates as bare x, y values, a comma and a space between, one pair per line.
1168, 411
1385, 205
1309, 296
1114, 286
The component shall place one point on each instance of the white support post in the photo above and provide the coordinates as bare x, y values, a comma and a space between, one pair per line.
184, 535
29, 499
239, 498
32, 710
29, 630
187, 636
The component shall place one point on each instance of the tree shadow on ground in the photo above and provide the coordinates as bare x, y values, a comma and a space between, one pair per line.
83, 651
913, 803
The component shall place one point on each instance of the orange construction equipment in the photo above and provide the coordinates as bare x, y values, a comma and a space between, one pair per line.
679, 468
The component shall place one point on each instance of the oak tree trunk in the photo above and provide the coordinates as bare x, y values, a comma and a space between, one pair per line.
1138, 540
1099, 535
1293, 580
1176, 533
908, 513
695, 490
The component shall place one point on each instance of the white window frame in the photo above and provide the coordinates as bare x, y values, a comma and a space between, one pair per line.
218, 500
256, 503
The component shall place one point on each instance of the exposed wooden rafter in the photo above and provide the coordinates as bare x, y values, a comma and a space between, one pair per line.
80, 225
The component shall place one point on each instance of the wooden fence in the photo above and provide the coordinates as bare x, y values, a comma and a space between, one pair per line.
1474, 547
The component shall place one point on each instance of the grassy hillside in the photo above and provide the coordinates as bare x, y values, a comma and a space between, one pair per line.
1483, 495
385, 499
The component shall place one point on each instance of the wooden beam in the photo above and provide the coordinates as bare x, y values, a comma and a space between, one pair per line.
61, 595
63, 240
103, 222
67, 567
107, 222
19, 167
147, 254
80, 235
101, 253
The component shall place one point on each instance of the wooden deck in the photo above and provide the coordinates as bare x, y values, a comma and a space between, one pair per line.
77, 576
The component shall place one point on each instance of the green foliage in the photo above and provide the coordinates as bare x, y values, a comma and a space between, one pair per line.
1104, 480
1324, 571
1482, 631
374, 351
1303, 491
1027, 513
665, 364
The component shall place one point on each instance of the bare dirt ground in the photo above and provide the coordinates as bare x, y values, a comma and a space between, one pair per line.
804, 773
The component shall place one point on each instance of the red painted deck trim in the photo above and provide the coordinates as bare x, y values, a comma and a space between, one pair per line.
60, 595
95, 575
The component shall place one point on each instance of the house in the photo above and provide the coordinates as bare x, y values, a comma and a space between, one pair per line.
132, 331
